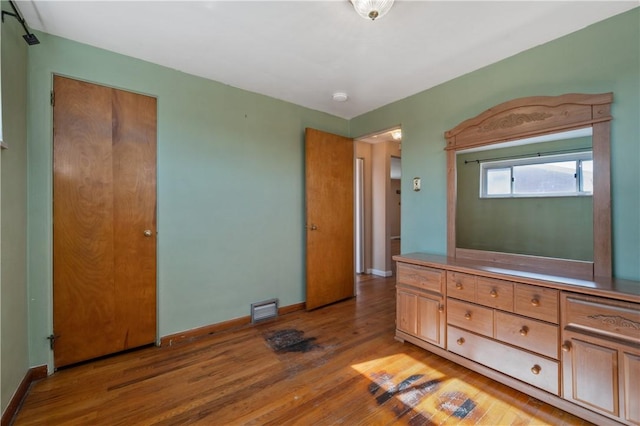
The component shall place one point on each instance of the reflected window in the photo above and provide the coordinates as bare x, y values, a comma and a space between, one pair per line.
540, 176
499, 181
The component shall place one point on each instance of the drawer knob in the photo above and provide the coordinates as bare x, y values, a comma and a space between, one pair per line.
536, 369
441, 308
493, 293
458, 286
460, 341
467, 315
566, 347
535, 302
524, 330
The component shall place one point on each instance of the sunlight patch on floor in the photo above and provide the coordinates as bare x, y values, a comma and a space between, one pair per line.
414, 392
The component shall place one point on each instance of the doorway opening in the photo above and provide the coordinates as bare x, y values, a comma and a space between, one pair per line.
377, 201
359, 203
394, 207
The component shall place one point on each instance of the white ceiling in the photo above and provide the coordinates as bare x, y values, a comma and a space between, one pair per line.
304, 51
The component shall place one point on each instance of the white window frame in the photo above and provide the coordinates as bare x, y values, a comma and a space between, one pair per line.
578, 157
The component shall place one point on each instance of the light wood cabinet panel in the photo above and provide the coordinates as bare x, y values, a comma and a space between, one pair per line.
590, 375
617, 320
495, 293
631, 389
430, 320
420, 302
534, 369
461, 286
425, 278
470, 317
537, 302
421, 314
407, 311
527, 333
601, 355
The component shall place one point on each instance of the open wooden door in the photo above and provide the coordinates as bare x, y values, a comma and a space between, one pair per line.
329, 171
104, 221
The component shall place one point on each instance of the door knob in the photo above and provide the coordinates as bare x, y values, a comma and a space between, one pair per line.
147, 233
313, 227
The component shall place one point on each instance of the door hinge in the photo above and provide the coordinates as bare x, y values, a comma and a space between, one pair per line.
53, 98
52, 339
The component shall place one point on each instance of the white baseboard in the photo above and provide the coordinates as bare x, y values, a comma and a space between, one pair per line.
379, 272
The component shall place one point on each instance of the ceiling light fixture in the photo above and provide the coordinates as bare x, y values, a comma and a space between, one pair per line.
372, 9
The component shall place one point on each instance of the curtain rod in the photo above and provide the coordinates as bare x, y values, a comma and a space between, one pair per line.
535, 154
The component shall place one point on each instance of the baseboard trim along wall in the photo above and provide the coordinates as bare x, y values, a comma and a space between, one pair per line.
32, 375
380, 273
195, 333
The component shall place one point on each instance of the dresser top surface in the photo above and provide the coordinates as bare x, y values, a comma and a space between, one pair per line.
603, 286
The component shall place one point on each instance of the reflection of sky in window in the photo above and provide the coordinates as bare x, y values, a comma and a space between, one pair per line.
499, 181
587, 176
555, 177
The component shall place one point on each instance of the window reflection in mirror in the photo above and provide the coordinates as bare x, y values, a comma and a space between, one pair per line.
516, 215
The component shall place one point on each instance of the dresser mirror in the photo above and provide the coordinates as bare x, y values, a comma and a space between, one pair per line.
499, 209
532, 196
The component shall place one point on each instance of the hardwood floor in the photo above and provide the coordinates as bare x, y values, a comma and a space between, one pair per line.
335, 365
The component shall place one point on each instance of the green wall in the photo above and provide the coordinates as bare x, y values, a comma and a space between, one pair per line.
604, 57
541, 226
230, 189
13, 211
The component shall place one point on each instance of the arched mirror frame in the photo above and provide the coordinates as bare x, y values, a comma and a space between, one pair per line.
536, 116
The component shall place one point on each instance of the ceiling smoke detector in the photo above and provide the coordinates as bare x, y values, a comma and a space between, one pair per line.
340, 97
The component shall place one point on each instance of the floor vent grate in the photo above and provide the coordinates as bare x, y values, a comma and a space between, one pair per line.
264, 310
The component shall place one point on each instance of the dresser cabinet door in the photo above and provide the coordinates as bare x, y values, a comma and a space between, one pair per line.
631, 386
421, 316
601, 355
431, 320
602, 375
407, 312
590, 374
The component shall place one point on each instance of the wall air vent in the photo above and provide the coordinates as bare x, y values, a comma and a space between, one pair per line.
261, 311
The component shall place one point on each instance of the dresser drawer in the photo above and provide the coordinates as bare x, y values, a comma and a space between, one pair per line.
470, 317
537, 302
615, 319
422, 277
495, 293
522, 365
530, 334
461, 286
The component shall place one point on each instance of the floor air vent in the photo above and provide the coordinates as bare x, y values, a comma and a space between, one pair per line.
264, 310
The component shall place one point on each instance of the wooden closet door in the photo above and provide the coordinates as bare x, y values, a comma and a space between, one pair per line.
104, 225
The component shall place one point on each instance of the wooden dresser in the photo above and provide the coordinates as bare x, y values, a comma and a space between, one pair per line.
573, 343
